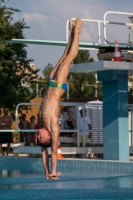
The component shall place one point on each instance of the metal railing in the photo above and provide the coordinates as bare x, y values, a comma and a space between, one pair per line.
94, 111
86, 20
116, 23
104, 22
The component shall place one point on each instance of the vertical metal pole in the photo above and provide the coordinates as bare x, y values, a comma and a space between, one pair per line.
67, 23
36, 87
95, 90
40, 92
82, 87
77, 125
98, 127
16, 117
96, 85
84, 131
131, 126
99, 34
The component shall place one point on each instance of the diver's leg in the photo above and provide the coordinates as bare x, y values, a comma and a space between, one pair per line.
75, 44
67, 49
62, 72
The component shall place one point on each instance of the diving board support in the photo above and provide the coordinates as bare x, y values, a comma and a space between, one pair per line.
115, 114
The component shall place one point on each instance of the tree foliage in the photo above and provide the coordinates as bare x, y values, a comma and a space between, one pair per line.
15, 70
46, 71
79, 82
83, 57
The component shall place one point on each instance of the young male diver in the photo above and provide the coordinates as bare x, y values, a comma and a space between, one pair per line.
49, 109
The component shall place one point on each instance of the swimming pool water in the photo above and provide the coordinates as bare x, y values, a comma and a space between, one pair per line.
24, 178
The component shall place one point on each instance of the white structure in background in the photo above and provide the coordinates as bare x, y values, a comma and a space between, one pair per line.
25, 81
94, 111
61, 119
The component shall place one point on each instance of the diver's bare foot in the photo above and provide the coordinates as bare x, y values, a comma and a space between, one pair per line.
71, 26
47, 176
78, 25
53, 177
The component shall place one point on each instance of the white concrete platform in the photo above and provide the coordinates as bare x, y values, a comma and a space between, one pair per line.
64, 150
14, 144
93, 67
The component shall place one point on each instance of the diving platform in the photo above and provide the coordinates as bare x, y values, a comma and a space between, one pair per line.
64, 150
94, 67
64, 43
106, 44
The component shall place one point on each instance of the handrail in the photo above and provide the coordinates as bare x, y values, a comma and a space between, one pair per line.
77, 105
118, 23
95, 129
16, 116
86, 20
104, 22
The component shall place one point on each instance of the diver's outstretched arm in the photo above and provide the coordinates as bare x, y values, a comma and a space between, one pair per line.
45, 161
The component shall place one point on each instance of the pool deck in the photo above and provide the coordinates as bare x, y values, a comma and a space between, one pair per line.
114, 166
39, 156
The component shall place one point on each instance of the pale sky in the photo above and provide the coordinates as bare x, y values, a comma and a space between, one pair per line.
47, 21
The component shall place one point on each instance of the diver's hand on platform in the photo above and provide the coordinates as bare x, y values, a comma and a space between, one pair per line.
53, 177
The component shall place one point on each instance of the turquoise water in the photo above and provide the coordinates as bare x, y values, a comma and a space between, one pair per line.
25, 179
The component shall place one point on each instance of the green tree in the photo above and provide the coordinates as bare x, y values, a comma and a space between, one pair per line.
80, 85
83, 57
42, 86
42, 81
15, 69
46, 71
79, 82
